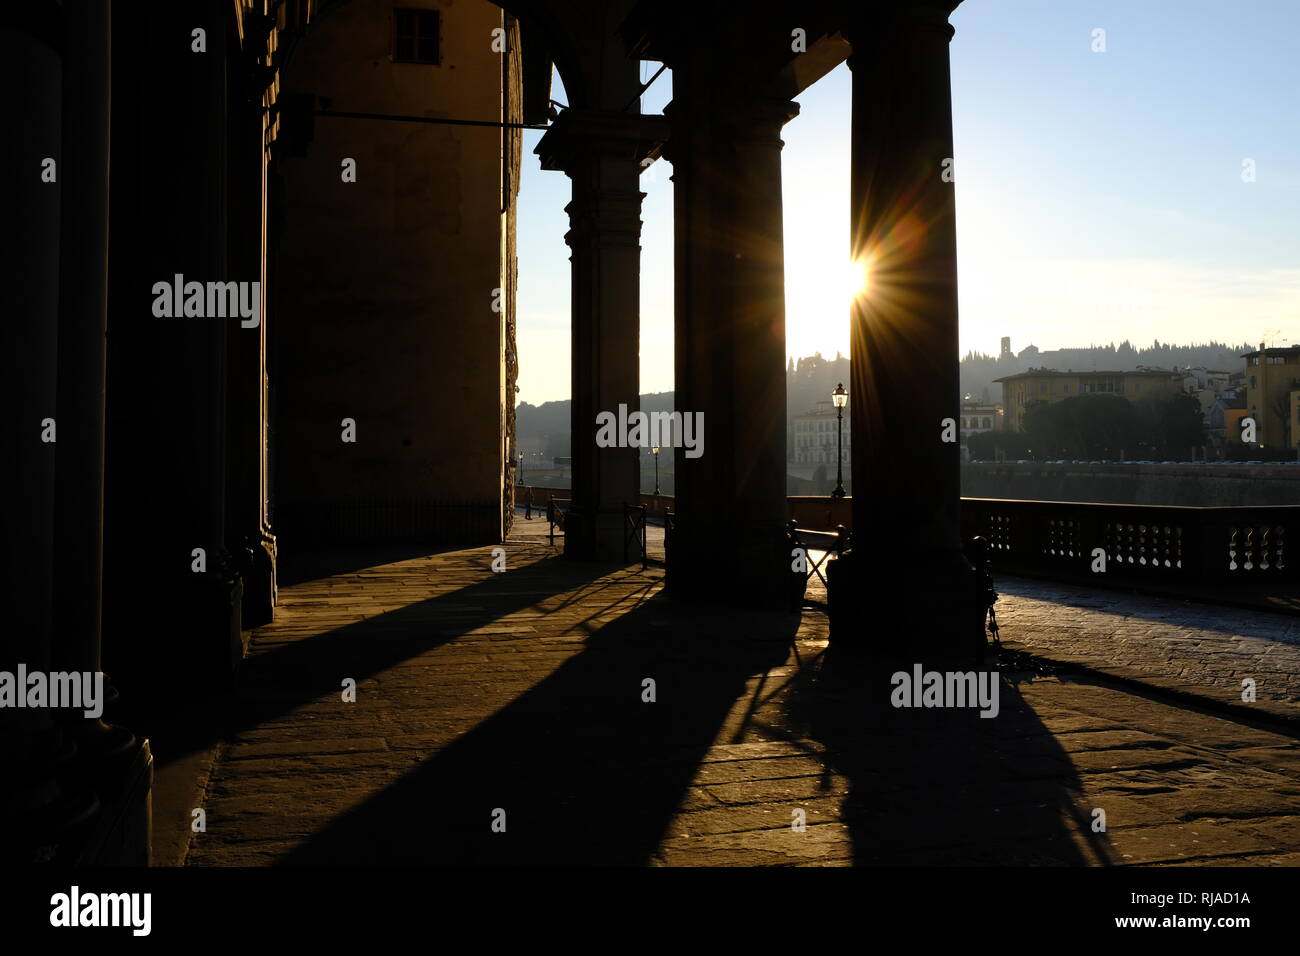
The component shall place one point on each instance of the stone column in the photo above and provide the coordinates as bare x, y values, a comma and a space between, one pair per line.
904, 391
248, 530
37, 812
601, 152
83, 302
166, 477
110, 760
729, 539
83, 273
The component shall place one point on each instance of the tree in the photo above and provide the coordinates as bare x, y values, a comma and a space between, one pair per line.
1171, 425
1281, 408
1082, 426
987, 446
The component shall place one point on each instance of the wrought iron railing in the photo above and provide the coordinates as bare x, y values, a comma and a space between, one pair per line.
1254, 547
1220, 551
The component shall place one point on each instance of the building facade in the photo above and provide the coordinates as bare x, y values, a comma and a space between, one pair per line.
1272, 387
978, 417
396, 265
815, 436
1036, 386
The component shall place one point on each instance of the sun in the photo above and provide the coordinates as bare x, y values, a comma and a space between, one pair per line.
857, 279
822, 281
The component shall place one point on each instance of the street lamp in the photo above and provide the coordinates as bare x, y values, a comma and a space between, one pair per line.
520, 477
841, 398
655, 451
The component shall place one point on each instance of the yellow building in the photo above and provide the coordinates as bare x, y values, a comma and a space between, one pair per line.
1048, 385
1232, 423
1272, 384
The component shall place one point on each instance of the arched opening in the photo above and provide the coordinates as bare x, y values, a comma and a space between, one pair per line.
820, 284
1125, 204
545, 297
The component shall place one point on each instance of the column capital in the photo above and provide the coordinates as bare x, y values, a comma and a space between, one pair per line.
868, 24
578, 135
749, 120
757, 119
610, 217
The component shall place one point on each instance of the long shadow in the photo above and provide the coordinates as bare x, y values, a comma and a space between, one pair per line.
1215, 619
1276, 597
277, 680
585, 770
297, 565
941, 786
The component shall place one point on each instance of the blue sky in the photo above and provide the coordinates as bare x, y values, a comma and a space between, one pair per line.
1099, 195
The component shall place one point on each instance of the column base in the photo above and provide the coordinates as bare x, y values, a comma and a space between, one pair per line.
84, 805
206, 610
223, 597
123, 831
599, 537
258, 573
118, 831
41, 819
919, 607
747, 567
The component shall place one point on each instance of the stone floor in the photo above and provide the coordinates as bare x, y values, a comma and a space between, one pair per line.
1194, 649
517, 698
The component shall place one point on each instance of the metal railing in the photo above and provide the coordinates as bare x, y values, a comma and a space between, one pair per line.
1212, 553
1141, 544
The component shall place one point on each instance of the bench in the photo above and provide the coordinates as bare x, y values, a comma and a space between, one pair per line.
634, 530
831, 543
556, 509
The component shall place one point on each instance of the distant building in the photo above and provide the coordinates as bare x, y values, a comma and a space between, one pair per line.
1223, 419
979, 417
1005, 354
814, 435
1195, 379
1272, 385
1048, 385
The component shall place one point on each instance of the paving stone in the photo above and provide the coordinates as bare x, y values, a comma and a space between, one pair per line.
522, 692
1196, 649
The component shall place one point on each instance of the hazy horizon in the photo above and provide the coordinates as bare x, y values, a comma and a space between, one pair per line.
1100, 195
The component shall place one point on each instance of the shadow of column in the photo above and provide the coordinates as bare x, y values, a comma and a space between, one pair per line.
586, 771
943, 786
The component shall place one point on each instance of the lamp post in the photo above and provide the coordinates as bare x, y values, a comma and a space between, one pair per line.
655, 451
841, 398
520, 477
